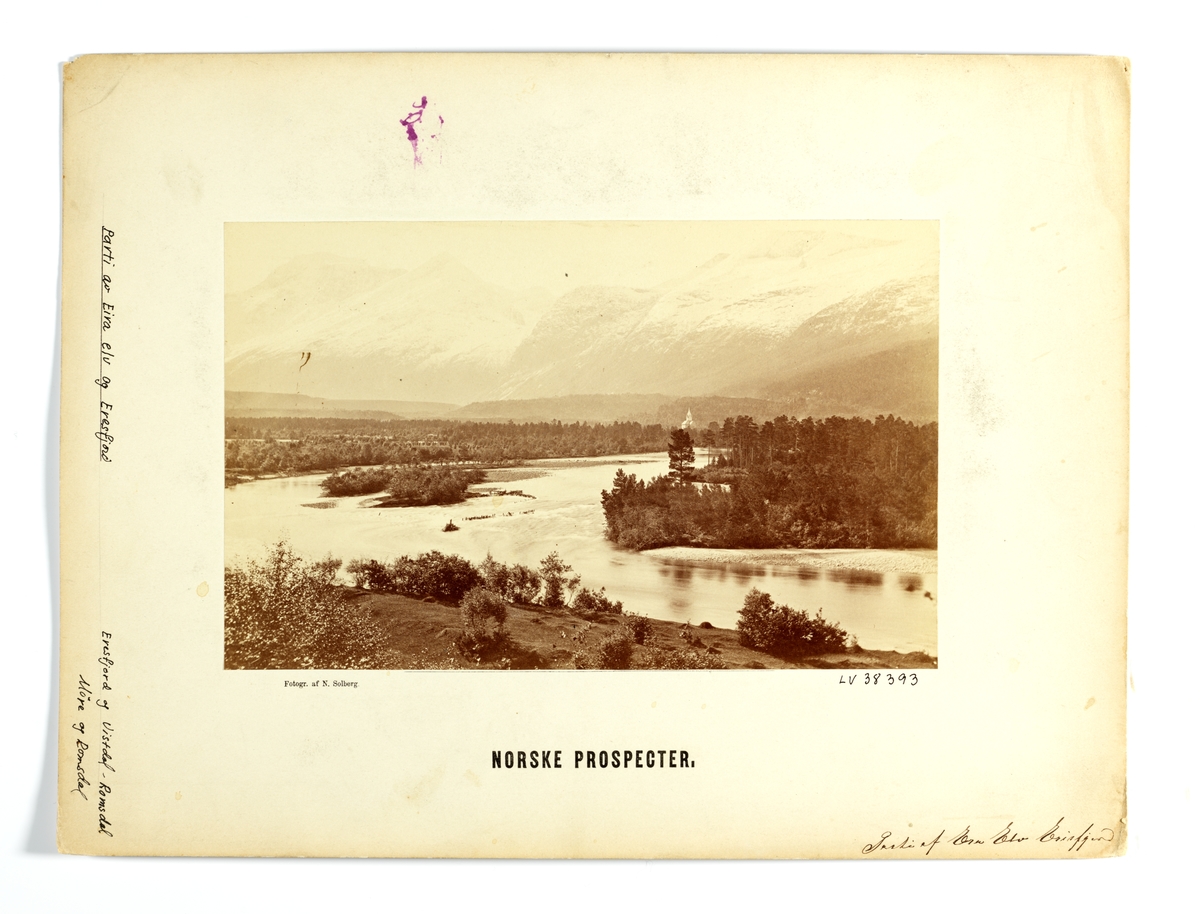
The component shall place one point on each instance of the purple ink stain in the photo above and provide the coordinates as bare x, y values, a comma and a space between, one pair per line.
409, 122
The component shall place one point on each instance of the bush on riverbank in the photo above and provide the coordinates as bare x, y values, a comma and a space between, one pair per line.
288, 614
782, 631
516, 583
371, 575
449, 577
556, 578
588, 602
434, 574
431, 574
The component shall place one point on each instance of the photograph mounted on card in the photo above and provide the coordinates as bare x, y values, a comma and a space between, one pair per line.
523, 455
522, 445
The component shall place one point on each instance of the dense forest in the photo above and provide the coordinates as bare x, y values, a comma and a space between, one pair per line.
282, 445
831, 483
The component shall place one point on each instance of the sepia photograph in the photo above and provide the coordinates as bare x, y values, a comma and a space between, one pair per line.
581, 445
369, 439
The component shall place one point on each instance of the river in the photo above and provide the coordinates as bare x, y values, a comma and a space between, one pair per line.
886, 610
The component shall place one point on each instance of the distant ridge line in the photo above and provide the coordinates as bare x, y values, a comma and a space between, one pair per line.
820, 394
247, 403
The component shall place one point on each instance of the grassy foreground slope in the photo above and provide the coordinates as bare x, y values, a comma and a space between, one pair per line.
421, 635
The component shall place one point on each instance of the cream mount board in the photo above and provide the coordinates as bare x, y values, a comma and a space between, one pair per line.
259, 247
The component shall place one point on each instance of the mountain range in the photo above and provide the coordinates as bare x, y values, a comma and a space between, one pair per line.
813, 322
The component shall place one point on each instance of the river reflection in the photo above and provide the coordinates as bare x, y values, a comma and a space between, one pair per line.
853, 577
564, 515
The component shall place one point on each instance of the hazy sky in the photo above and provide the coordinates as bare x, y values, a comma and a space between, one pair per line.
555, 256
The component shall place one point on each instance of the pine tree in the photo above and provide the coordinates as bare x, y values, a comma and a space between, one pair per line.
681, 454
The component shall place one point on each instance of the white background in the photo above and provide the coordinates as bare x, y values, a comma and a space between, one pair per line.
1162, 712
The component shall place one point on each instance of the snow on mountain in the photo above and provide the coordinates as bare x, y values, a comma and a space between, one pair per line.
581, 327
739, 324
774, 288
733, 323
437, 332
895, 306
301, 290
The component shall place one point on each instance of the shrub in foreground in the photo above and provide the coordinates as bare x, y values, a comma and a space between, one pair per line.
589, 601
431, 574
483, 636
557, 578
783, 631
639, 627
516, 583
434, 574
483, 613
658, 658
287, 614
371, 575
616, 651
